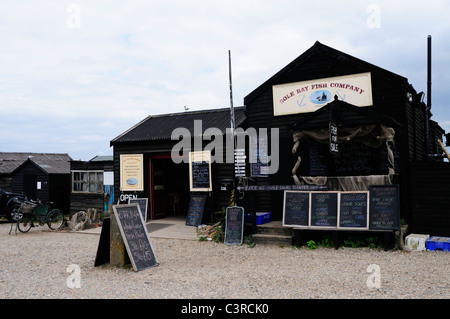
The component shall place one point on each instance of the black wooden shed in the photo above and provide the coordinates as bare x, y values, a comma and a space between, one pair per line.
394, 104
165, 182
40, 176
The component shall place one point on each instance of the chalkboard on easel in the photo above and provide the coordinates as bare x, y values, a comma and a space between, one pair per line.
195, 210
135, 236
103, 253
234, 225
296, 208
353, 210
324, 208
384, 208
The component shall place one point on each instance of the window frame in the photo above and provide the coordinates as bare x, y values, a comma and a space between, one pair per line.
85, 184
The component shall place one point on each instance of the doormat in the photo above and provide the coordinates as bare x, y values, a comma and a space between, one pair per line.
157, 226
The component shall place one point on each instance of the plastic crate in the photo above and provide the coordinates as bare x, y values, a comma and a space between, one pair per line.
416, 241
441, 243
261, 218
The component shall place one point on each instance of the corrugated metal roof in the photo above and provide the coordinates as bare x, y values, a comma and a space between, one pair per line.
52, 163
160, 127
102, 158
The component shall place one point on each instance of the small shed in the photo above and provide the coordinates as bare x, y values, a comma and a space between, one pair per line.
40, 176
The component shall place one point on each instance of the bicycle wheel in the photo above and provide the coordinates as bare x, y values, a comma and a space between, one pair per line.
24, 224
55, 219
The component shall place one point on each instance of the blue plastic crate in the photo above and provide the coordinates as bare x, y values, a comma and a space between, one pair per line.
261, 218
441, 243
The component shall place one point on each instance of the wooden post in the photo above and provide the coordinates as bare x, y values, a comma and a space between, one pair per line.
117, 250
443, 148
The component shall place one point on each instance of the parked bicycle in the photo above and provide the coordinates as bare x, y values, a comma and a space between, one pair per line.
26, 213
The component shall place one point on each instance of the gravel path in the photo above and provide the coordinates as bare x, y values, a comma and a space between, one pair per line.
33, 265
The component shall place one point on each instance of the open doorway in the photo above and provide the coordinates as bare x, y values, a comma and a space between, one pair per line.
169, 187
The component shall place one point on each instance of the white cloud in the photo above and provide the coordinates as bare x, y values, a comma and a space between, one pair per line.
131, 59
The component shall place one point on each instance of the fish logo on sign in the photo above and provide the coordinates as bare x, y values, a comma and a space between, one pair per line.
132, 181
320, 97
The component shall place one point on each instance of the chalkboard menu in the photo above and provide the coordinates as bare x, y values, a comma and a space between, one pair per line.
318, 161
357, 159
384, 208
258, 149
143, 204
200, 171
135, 236
195, 210
296, 209
234, 225
353, 210
324, 207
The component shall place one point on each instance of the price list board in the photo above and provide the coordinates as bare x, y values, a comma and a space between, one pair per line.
376, 209
324, 209
353, 210
384, 208
296, 209
234, 225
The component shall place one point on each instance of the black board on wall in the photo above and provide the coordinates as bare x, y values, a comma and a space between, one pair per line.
324, 209
195, 210
353, 210
296, 208
234, 225
135, 236
384, 208
200, 175
200, 171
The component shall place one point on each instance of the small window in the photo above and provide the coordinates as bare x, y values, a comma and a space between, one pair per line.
87, 181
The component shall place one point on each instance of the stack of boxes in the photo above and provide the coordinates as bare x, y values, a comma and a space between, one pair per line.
424, 242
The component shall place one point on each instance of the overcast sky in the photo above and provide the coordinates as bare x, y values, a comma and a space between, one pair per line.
76, 74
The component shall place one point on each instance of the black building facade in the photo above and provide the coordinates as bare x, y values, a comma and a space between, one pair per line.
382, 137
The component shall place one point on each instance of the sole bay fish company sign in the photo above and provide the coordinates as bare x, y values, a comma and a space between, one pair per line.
309, 96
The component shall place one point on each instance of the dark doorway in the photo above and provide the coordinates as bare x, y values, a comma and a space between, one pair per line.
30, 186
169, 191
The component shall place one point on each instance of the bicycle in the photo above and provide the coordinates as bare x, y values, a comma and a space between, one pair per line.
27, 212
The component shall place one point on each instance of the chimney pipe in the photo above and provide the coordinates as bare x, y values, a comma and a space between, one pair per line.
428, 108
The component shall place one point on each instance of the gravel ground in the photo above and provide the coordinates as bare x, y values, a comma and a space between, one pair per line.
34, 265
